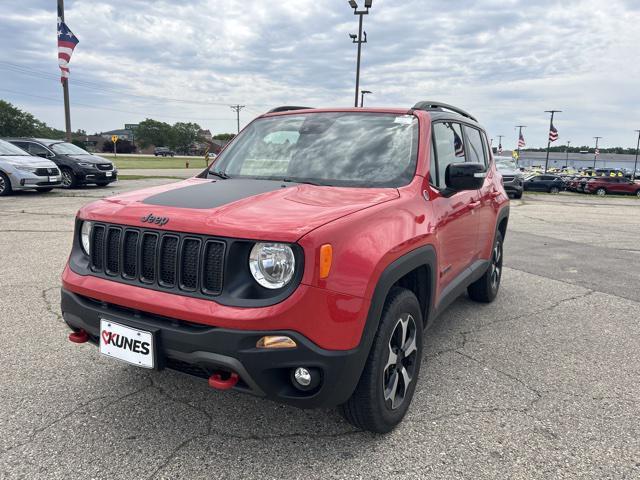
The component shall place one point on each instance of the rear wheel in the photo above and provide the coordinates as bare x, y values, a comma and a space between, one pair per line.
554, 190
485, 289
601, 192
5, 185
69, 179
389, 378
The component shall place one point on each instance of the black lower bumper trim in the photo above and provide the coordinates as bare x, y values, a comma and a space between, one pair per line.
200, 350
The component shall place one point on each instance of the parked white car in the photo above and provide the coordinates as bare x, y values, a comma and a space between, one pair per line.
21, 171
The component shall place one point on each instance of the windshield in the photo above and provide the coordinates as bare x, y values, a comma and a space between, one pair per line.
64, 148
505, 164
7, 148
343, 149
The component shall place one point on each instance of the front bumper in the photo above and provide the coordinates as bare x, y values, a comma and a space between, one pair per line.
200, 350
94, 176
24, 180
514, 186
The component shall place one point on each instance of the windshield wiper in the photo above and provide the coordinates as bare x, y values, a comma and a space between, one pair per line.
222, 175
306, 182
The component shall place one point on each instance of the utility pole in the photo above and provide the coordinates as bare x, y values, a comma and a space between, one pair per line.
519, 127
635, 166
552, 112
568, 142
65, 83
358, 39
362, 94
237, 109
595, 152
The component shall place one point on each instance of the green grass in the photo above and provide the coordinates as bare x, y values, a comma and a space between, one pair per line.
127, 163
144, 177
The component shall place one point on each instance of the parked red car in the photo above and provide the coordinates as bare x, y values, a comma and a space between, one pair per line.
606, 185
305, 263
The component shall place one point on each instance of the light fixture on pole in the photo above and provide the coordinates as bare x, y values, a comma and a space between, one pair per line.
358, 39
362, 94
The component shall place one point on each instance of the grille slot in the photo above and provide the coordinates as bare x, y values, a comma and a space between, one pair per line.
113, 251
104, 166
189, 264
168, 260
213, 268
97, 247
148, 260
177, 262
130, 254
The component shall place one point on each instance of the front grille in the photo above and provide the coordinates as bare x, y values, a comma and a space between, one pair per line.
154, 258
45, 172
508, 178
104, 166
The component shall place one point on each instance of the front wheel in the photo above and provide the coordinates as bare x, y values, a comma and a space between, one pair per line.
485, 289
518, 195
601, 192
69, 180
5, 185
389, 378
638, 193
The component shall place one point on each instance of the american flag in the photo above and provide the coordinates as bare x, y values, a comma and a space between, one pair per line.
597, 152
458, 145
499, 148
553, 133
521, 142
67, 41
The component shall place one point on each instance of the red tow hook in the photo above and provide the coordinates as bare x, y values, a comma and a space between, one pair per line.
78, 337
216, 381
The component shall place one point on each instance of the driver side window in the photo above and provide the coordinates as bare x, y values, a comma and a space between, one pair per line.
38, 150
449, 147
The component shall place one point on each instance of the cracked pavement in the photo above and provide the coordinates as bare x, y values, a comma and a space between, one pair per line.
542, 383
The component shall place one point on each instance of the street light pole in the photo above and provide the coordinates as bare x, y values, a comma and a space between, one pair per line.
568, 142
552, 112
595, 152
359, 40
635, 166
362, 94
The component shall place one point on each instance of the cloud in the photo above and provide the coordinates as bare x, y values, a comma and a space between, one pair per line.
506, 61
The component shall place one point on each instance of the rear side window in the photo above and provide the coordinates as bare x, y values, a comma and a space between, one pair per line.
476, 153
449, 147
35, 149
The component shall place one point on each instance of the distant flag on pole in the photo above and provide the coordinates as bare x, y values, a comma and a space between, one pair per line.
67, 41
458, 145
521, 142
553, 133
499, 148
597, 152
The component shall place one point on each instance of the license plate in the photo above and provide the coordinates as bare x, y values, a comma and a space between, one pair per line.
54, 179
108, 174
125, 343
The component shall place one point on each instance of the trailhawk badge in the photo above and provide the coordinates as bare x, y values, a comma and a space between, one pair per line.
151, 218
125, 343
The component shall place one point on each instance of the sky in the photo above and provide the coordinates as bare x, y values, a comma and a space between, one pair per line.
505, 61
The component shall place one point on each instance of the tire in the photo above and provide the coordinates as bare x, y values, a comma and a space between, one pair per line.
601, 192
485, 289
69, 180
5, 185
554, 190
517, 195
44, 190
381, 398
638, 193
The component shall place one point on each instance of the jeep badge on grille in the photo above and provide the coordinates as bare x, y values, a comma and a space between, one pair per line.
151, 218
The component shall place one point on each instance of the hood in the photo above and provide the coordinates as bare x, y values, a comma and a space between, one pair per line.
28, 160
89, 159
509, 171
240, 208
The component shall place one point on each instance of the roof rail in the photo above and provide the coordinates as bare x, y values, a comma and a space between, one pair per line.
439, 106
286, 108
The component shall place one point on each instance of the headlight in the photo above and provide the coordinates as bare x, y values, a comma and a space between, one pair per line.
87, 165
85, 237
272, 264
25, 168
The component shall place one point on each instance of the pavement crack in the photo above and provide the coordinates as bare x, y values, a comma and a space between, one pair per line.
55, 311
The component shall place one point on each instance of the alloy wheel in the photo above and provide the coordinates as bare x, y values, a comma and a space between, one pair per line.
601, 191
3, 185
400, 368
67, 180
496, 265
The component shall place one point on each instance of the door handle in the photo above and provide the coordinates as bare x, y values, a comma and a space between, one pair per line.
494, 194
473, 205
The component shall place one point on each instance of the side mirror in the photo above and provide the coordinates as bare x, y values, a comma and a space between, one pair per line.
465, 176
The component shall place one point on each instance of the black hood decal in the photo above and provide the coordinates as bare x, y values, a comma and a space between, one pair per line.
214, 193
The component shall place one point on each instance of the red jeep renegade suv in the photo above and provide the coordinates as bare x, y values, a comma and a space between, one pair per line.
305, 263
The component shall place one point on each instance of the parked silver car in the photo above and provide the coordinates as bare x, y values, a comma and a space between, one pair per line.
21, 171
512, 177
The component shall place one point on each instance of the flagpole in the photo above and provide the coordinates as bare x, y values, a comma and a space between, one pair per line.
595, 152
520, 127
65, 84
552, 112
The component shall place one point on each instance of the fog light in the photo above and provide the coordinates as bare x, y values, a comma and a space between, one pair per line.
302, 376
276, 341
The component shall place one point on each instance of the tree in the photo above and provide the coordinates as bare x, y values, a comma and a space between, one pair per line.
122, 146
152, 132
225, 137
16, 123
183, 135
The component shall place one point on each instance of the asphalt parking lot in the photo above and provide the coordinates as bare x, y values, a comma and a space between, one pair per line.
543, 383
